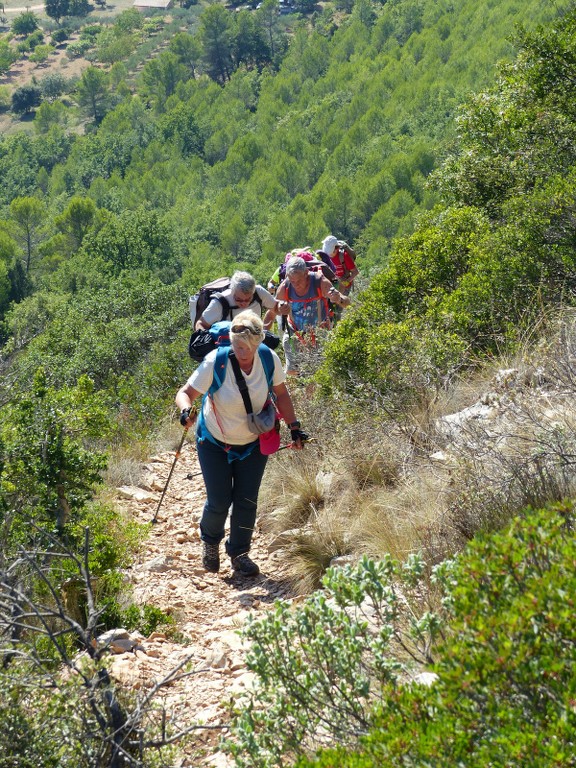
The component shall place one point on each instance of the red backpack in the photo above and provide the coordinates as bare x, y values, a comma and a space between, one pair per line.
313, 264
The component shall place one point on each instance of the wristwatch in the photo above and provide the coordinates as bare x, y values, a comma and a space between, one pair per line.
184, 416
294, 425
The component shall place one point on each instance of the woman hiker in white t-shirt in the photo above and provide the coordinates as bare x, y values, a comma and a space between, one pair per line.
229, 453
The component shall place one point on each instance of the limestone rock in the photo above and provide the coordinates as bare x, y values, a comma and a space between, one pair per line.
135, 493
426, 678
159, 564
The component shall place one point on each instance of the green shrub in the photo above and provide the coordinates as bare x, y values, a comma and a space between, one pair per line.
35, 39
47, 470
146, 619
60, 35
4, 98
41, 53
323, 665
27, 738
506, 689
78, 48
90, 32
25, 23
129, 20
395, 362
53, 86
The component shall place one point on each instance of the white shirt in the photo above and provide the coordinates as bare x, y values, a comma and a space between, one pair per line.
231, 423
214, 311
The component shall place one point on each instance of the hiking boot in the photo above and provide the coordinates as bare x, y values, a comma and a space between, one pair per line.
243, 565
211, 557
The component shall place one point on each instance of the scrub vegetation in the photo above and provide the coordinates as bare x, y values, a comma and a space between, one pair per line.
437, 138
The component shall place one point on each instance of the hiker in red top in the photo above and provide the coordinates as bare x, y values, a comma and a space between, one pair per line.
343, 259
306, 294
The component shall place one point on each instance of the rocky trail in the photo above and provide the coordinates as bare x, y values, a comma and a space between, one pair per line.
207, 608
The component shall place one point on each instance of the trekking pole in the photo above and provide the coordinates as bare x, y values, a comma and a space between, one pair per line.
176, 457
289, 445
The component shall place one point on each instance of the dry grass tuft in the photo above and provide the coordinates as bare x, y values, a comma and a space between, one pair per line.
126, 460
291, 494
380, 465
310, 550
169, 435
402, 520
123, 470
125, 464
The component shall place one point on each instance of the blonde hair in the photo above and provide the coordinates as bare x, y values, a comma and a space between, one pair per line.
254, 333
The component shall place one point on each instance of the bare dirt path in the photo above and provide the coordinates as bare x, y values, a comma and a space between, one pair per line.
208, 608
26, 8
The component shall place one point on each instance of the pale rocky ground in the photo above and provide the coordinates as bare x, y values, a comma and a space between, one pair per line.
208, 608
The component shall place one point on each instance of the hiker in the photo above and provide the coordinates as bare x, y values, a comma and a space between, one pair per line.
274, 282
321, 263
242, 294
306, 296
342, 257
228, 451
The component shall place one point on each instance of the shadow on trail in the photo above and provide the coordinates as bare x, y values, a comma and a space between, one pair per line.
275, 589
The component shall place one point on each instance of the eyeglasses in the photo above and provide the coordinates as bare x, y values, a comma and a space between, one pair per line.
243, 299
244, 329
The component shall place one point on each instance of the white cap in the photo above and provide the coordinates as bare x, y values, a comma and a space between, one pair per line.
329, 244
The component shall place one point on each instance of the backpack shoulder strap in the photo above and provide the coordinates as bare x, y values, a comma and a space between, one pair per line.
220, 364
285, 283
257, 294
267, 359
226, 312
322, 301
241, 382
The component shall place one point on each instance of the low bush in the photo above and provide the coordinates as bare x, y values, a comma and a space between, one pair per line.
60, 35
506, 688
5, 96
79, 48
322, 666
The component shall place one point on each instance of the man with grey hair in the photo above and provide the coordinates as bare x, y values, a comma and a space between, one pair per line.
304, 296
242, 294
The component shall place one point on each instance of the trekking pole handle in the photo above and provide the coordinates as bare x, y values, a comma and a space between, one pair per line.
291, 445
185, 417
297, 434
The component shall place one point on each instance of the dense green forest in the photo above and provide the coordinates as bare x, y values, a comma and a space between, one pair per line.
183, 173
436, 137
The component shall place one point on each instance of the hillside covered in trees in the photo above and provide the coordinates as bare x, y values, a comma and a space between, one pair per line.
436, 137
195, 172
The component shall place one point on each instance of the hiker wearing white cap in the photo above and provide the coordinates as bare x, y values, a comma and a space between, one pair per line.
342, 257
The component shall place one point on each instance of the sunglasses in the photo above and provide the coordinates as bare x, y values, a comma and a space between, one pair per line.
244, 329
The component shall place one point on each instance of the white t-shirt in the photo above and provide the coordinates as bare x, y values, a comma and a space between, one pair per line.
231, 426
214, 311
